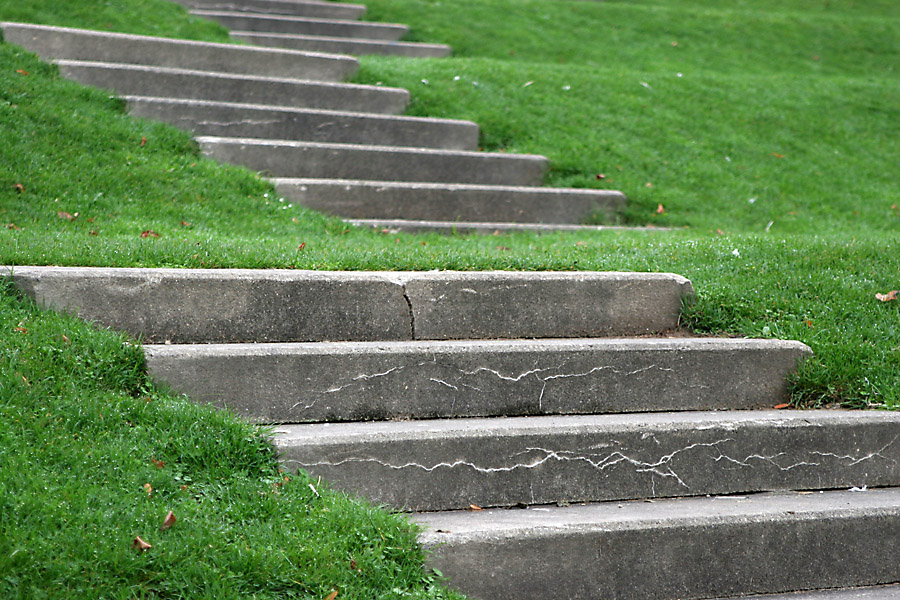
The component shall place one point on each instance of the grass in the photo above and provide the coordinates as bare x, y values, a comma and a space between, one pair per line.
792, 105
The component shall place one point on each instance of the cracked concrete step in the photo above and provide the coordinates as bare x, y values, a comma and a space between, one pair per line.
297, 8
169, 82
284, 158
356, 47
879, 592
363, 381
683, 549
260, 121
452, 463
54, 43
244, 305
305, 26
459, 206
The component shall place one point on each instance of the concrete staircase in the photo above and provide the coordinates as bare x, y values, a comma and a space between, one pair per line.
555, 433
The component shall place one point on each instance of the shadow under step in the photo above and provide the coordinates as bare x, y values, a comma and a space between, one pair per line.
282, 158
356, 47
452, 463
305, 26
138, 80
232, 119
297, 8
458, 206
56, 43
683, 549
365, 381
248, 305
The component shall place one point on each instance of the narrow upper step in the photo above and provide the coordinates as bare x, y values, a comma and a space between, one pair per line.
458, 205
356, 47
298, 8
361, 381
234, 305
452, 463
138, 80
880, 592
671, 549
232, 119
53, 43
286, 158
306, 26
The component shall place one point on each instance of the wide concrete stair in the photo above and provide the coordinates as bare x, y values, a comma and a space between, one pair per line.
556, 434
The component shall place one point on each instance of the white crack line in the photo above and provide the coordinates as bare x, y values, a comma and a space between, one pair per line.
854, 460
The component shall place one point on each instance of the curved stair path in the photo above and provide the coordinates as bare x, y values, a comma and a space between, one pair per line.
554, 433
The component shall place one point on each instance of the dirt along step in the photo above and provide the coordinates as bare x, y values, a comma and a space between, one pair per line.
297, 8
354, 46
341, 28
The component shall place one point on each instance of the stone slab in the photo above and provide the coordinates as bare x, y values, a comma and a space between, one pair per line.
304, 8
285, 158
362, 381
482, 228
53, 43
139, 80
450, 205
452, 463
880, 592
356, 47
232, 119
685, 548
304, 25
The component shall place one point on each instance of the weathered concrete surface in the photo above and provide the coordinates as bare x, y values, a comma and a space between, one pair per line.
477, 227
303, 25
139, 80
356, 47
360, 381
234, 305
305, 8
685, 548
52, 43
232, 119
446, 464
284, 158
880, 592
451, 202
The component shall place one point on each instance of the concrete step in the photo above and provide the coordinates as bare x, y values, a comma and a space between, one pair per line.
315, 160
244, 21
237, 305
169, 82
53, 43
483, 228
356, 47
671, 549
452, 463
297, 8
363, 381
259, 121
458, 205
879, 592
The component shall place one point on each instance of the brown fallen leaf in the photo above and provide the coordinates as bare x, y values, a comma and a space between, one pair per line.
660, 210
475, 507
777, 155
21, 72
601, 176
66, 216
148, 488
301, 246
149, 233
20, 329
14, 226
168, 522
185, 224
159, 464
143, 142
332, 595
891, 295
19, 187
139, 544
780, 406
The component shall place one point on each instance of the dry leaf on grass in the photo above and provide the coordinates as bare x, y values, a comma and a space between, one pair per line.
168, 522
139, 544
892, 295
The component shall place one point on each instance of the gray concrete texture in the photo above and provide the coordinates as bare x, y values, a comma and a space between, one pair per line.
668, 549
448, 464
356, 47
231, 119
53, 43
305, 8
234, 305
362, 381
880, 592
139, 80
303, 25
284, 158
484, 228
456, 204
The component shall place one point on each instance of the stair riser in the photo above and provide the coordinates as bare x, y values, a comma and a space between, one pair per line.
209, 86
299, 25
343, 45
594, 459
379, 381
359, 200
326, 127
286, 159
320, 10
62, 43
200, 306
